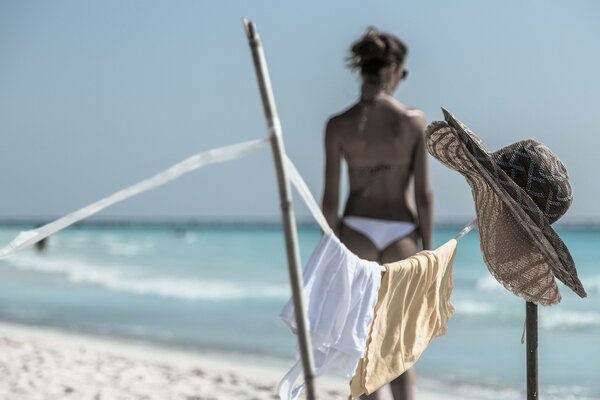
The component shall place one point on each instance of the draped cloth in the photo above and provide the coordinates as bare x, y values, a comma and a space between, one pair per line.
413, 308
340, 291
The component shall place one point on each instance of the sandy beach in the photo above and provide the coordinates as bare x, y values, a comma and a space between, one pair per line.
40, 363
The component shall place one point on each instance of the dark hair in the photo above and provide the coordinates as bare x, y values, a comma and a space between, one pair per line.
376, 50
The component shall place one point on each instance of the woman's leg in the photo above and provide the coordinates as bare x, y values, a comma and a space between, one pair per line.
362, 246
359, 244
403, 387
372, 396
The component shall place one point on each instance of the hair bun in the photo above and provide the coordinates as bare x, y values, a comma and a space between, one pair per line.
375, 50
370, 47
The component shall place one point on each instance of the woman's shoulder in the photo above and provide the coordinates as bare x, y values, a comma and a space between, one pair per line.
409, 117
344, 117
346, 113
406, 111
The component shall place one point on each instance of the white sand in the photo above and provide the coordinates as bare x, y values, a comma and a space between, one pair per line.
40, 363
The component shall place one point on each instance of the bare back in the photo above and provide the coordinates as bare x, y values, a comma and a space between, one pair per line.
383, 151
380, 158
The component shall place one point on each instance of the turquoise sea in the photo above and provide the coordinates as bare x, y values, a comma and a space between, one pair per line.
219, 288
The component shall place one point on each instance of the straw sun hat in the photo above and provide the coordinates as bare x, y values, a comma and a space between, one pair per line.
519, 191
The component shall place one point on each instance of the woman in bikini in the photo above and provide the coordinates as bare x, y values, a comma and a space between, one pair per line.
382, 142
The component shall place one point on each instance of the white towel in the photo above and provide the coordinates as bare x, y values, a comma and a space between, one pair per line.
340, 291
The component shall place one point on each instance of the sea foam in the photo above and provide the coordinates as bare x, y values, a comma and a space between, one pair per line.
570, 320
489, 284
114, 278
473, 308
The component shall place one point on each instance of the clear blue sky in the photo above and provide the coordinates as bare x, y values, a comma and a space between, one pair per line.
97, 95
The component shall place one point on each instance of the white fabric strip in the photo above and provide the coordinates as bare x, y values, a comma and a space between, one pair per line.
190, 164
306, 195
468, 228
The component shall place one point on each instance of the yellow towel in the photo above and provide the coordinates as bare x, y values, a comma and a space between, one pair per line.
413, 307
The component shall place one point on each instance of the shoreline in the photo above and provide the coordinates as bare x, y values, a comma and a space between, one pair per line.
47, 363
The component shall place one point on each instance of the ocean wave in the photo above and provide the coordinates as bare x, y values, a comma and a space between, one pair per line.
76, 241
549, 319
469, 388
591, 284
489, 284
190, 238
569, 320
124, 249
116, 246
113, 278
473, 308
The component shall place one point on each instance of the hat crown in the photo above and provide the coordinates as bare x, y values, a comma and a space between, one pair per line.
540, 173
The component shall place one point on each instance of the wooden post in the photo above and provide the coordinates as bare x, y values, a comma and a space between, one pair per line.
531, 324
287, 211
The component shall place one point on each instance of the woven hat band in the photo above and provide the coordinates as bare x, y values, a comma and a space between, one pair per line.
540, 173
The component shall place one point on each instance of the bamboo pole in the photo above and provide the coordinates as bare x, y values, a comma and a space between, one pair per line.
531, 324
287, 211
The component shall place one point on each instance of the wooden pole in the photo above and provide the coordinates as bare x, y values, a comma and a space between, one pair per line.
287, 211
531, 326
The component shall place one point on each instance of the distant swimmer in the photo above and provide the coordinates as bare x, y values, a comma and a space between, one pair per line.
42, 245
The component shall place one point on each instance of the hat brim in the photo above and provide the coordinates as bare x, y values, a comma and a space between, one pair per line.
511, 250
561, 262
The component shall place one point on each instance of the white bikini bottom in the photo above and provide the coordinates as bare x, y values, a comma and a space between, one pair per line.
381, 232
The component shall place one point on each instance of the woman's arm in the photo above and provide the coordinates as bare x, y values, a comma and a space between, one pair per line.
331, 192
423, 193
